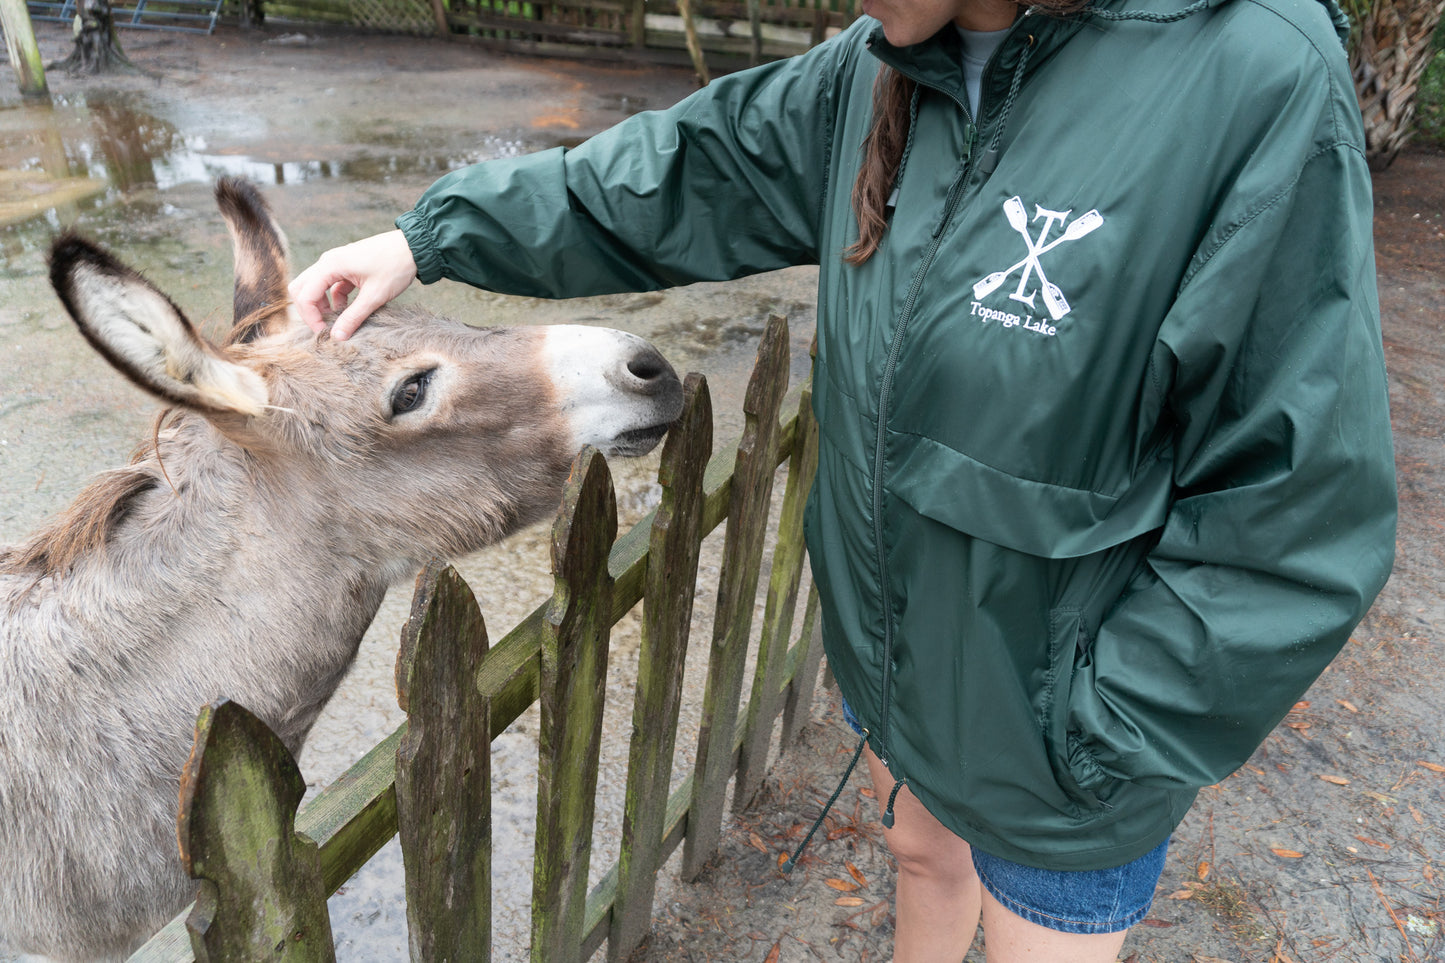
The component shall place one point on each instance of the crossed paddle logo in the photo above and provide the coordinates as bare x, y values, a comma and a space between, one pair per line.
1018, 219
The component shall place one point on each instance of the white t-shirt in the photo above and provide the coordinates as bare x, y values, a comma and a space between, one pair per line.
978, 46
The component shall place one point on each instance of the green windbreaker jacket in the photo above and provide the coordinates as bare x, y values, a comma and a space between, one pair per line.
1105, 477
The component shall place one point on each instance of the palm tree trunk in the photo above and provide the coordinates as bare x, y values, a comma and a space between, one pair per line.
1390, 51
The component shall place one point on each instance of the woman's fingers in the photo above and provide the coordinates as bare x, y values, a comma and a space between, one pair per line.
374, 269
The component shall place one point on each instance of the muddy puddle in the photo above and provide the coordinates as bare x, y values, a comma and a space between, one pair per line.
342, 133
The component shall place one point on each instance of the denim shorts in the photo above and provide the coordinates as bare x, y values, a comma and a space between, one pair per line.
1069, 901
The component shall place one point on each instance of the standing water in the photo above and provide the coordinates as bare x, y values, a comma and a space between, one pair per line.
342, 132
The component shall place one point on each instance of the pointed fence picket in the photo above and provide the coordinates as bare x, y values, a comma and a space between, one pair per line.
266, 869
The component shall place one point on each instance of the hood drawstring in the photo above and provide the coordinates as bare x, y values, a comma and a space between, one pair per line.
1150, 16
989, 160
907, 147
798, 853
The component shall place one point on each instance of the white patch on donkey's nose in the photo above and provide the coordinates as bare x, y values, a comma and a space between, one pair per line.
616, 392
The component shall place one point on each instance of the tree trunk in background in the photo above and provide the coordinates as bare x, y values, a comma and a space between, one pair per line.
97, 45
22, 49
1389, 51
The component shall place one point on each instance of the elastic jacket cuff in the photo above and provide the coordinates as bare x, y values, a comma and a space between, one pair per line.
419, 237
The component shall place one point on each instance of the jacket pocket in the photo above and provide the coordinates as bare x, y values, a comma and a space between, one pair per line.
1068, 640
1033, 517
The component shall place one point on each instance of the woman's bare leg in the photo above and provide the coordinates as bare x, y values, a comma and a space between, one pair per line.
1012, 939
937, 898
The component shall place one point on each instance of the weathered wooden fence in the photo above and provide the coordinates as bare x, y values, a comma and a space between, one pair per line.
721, 34
265, 869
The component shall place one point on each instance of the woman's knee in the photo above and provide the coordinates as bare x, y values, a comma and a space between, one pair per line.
921, 844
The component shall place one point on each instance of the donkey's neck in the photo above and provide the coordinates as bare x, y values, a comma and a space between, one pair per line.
232, 583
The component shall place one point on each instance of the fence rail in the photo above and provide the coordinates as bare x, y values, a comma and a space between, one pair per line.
265, 869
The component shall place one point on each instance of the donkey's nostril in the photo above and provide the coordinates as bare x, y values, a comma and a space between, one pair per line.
649, 365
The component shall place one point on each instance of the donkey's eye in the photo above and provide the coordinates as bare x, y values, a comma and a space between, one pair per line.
412, 392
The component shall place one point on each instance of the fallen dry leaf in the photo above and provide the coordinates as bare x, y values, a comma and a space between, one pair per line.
1286, 853
1300, 706
756, 842
1202, 870
774, 953
1432, 766
1419, 819
866, 792
1337, 780
842, 885
1347, 704
848, 901
1372, 842
856, 873
1157, 924
782, 858
1181, 894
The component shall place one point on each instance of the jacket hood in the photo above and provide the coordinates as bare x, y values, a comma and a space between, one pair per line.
1151, 10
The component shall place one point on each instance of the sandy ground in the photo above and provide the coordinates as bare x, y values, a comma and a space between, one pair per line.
1324, 848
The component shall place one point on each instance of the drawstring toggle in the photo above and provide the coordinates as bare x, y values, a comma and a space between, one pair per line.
888, 811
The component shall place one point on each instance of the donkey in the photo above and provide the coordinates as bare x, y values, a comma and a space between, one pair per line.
247, 547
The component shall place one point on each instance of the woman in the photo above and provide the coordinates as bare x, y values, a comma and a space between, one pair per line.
1105, 475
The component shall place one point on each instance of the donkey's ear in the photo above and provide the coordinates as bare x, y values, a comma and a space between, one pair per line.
145, 336
262, 262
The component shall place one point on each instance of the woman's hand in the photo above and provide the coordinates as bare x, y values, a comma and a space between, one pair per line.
376, 268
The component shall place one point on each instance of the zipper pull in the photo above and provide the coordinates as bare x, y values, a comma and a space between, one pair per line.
970, 140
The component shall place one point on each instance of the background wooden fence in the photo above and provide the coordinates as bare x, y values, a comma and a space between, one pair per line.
265, 869
726, 34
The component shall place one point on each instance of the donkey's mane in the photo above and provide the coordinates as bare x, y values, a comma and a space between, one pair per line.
85, 526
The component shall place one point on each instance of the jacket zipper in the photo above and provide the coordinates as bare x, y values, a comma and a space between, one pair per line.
955, 193
951, 202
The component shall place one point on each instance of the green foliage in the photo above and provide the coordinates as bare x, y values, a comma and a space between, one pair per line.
1430, 107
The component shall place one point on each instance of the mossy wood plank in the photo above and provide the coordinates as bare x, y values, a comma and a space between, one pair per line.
353, 817
261, 895
666, 622
600, 901
443, 773
779, 611
803, 662
170, 944
574, 675
752, 486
